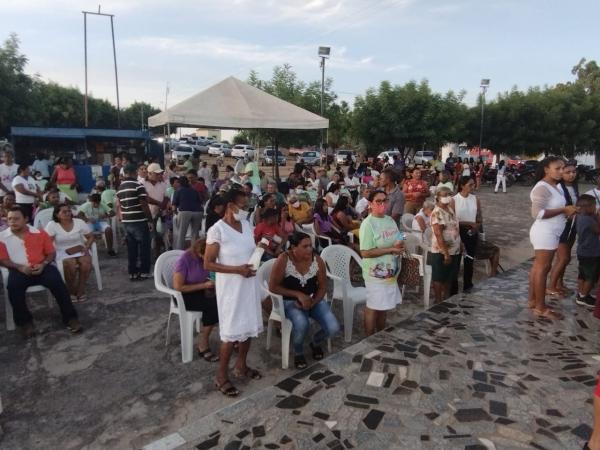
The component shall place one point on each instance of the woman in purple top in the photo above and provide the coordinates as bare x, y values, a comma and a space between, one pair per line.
192, 280
324, 225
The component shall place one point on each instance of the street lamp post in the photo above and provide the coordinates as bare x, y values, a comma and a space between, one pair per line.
485, 83
323, 54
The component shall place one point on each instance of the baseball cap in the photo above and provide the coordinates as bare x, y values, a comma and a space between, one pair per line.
155, 168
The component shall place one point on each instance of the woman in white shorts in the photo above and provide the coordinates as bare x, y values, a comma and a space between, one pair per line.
379, 247
548, 208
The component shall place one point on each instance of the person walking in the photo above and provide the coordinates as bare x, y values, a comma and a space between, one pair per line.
137, 221
550, 211
501, 177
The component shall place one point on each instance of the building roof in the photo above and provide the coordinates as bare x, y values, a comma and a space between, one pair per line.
78, 133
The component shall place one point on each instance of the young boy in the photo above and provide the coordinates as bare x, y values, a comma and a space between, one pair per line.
588, 249
96, 214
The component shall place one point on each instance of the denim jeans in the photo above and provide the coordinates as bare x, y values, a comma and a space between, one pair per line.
49, 278
137, 235
300, 323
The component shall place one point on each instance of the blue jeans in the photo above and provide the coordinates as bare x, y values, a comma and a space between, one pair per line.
300, 323
137, 235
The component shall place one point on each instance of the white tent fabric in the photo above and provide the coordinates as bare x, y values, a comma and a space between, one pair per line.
233, 104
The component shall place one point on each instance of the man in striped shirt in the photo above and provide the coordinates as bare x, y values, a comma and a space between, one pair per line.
137, 221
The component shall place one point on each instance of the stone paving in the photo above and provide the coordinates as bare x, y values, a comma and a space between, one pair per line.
118, 386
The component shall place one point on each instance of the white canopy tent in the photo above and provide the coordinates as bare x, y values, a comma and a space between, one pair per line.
233, 104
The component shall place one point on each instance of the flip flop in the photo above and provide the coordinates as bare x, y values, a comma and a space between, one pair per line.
207, 355
548, 314
317, 352
248, 373
300, 362
82, 298
552, 293
230, 391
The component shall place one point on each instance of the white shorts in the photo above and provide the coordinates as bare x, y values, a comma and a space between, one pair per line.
383, 296
543, 238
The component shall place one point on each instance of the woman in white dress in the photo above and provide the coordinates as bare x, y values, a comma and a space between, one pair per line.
73, 240
548, 208
230, 244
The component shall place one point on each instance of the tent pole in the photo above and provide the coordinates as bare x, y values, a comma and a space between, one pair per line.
275, 159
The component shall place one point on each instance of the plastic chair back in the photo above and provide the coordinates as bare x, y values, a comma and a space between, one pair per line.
43, 218
164, 268
407, 220
337, 258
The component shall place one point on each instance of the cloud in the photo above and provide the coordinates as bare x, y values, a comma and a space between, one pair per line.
397, 68
447, 9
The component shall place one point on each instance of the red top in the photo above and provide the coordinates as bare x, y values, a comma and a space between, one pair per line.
416, 190
597, 390
65, 176
263, 230
31, 250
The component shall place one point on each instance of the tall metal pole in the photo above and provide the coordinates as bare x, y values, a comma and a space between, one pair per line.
85, 97
112, 30
482, 112
322, 95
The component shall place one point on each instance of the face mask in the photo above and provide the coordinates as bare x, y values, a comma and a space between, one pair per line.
445, 200
296, 204
39, 177
240, 215
299, 190
378, 208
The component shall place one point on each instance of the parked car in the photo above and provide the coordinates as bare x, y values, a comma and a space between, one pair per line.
341, 157
242, 151
182, 150
310, 158
423, 156
267, 157
293, 151
217, 148
388, 156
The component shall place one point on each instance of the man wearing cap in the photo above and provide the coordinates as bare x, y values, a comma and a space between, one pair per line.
156, 189
137, 221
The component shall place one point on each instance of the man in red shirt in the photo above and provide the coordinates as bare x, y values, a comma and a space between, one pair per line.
27, 253
198, 185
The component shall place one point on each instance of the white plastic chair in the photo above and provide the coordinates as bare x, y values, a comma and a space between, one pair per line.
95, 266
42, 218
319, 238
163, 282
406, 220
10, 323
277, 313
337, 258
413, 245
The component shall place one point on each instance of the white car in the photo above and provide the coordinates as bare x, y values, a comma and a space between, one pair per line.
242, 151
182, 150
341, 157
388, 156
423, 156
217, 149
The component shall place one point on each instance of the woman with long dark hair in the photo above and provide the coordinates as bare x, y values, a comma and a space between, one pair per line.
550, 211
567, 238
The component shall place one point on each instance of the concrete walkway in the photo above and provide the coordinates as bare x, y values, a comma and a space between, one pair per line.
118, 386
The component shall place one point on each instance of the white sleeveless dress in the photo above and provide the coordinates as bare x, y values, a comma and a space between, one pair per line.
545, 233
238, 298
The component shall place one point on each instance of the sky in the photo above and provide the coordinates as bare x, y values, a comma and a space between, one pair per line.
191, 45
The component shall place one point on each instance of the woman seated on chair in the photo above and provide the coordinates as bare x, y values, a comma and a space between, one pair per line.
268, 201
300, 277
342, 217
324, 225
73, 240
422, 221
269, 229
198, 291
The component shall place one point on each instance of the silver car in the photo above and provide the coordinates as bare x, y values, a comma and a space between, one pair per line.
423, 156
310, 158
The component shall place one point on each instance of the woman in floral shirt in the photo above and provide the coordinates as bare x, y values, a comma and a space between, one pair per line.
415, 191
445, 245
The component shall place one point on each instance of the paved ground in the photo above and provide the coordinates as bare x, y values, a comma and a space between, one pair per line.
118, 386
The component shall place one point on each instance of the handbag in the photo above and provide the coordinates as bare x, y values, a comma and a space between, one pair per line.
409, 271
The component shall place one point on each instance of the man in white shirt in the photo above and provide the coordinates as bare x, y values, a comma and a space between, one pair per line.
204, 173
352, 183
8, 170
41, 164
26, 190
362, 204
156, 191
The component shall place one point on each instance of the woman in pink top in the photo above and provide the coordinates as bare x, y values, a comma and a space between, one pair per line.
65, 179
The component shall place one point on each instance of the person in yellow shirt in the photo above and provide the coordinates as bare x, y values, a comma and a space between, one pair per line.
299, 211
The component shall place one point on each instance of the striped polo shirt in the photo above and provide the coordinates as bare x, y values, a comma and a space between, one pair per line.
129, 194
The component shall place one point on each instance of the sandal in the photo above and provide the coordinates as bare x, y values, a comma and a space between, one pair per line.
207, 355
248, 373
300, 362
552, 293
230, 391
81, 298
548, 314
317, 352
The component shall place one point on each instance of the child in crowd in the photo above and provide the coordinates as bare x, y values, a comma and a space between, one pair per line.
96, 215
269, 228
588, 249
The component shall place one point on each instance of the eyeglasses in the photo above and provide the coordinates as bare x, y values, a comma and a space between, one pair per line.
381, 202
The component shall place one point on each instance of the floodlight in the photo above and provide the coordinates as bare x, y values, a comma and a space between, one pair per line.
324, 52
485, 82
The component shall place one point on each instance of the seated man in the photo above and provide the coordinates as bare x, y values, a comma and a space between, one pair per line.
27, 253
96, 214
300, 212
